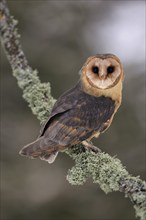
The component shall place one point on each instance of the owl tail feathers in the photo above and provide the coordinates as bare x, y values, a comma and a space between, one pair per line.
34, 150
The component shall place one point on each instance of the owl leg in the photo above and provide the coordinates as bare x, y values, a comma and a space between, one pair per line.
89, 145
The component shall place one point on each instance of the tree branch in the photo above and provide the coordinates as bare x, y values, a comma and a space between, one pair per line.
105, 170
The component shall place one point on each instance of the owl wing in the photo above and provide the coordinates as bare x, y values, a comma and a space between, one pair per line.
68, 128
64, 103
75, 117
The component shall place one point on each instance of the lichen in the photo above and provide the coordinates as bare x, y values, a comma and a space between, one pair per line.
104, 169
26, 78
140, 209
108, 173
77, 175
37, 94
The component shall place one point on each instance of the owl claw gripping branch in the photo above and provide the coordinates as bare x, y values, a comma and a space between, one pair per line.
82, 112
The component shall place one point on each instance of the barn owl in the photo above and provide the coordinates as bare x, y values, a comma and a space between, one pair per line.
83, 112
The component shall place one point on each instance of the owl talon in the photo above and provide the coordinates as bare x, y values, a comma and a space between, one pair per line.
89, 146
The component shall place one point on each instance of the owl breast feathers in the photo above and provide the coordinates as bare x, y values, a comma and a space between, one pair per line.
80, 113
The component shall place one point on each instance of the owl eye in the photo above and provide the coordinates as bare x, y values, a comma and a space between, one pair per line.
95, 69
110, 69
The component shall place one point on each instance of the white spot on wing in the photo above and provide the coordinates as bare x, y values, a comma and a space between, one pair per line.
49, 158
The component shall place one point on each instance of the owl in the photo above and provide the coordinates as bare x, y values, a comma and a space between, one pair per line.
83, 112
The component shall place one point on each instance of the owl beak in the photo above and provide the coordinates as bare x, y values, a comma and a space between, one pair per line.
102, 76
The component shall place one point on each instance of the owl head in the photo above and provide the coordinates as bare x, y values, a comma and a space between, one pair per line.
102, 71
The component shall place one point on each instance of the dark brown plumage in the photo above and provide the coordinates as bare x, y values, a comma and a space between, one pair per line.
78, 115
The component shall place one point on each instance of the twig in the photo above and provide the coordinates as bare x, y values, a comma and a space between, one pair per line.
105, 170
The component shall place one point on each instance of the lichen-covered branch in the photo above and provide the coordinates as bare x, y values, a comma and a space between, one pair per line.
105, 170
37, 94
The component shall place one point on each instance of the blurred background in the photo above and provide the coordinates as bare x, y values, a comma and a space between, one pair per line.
57, 37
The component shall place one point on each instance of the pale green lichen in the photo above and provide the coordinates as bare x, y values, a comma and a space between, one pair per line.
110, 174
77, 175
37, 94
26, 78
141, 208
104, 169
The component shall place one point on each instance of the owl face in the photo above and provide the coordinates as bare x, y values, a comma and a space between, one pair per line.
103, 71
